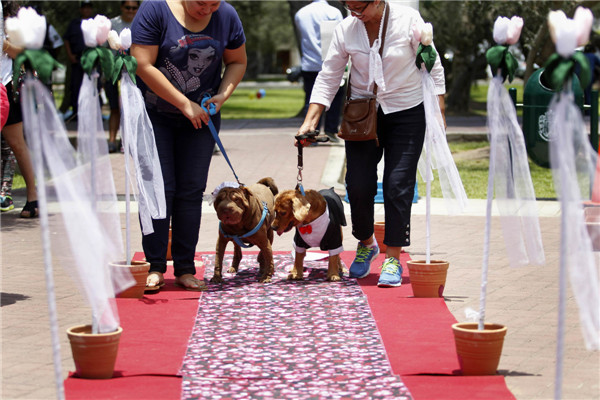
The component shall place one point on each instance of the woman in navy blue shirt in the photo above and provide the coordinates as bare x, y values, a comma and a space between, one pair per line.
180, 47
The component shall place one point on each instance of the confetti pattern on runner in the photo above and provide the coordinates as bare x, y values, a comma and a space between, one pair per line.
285, 339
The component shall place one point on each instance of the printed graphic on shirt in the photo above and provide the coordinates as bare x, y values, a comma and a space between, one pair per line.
188, 61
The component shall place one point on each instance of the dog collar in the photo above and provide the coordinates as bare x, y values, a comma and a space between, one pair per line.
237, 238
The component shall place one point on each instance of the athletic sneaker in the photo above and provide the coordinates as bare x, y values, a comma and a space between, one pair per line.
361, 266
391, 273
6, 203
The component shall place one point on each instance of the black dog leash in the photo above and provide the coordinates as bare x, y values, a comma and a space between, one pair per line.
300, 141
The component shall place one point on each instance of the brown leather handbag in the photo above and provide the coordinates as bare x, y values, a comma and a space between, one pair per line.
359, 117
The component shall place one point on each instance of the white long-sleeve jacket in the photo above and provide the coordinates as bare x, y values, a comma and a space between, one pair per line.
401, 75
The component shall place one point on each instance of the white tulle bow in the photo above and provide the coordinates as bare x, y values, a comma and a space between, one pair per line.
375, 62
573, 162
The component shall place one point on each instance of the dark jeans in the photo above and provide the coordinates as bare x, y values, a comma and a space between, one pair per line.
185, 154
332, 116
401, 135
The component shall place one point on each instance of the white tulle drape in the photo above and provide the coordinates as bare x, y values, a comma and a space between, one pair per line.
573, 162
441, 157
515, 196
92, 151
139, 144
80, 232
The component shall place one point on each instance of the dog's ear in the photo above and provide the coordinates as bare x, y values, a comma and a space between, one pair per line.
300, 207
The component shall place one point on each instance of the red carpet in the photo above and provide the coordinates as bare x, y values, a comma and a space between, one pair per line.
416, 334
155, 334
418, 339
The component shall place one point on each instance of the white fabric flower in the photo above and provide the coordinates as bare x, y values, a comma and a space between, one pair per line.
422, 33
114, 41
125, 37
568, 33
501, 29
507, 31
427, 34
514, 30
416, 31
89, 29
95, 30
104, 26
584, 19
555, 20
27, 29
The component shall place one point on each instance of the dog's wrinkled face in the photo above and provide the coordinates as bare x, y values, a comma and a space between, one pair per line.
291, 208
230, 205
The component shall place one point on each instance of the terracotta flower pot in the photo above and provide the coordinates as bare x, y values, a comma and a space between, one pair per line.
94, 354
478, 351
380, 235
139, 271
427, 280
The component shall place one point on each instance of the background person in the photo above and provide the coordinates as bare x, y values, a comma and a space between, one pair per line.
75, 46
400, 124
13, 129
308, 22
164, 35
118, 23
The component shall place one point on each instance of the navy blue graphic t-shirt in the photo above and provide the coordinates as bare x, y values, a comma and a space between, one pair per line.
191, 61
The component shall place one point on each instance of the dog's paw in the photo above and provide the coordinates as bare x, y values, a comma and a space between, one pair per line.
216, 279
232, 270
334, 278
264, 279
294, 276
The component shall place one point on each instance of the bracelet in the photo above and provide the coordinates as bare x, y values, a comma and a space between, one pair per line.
5, 46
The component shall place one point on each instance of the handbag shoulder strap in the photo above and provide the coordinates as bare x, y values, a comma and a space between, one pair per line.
385, 22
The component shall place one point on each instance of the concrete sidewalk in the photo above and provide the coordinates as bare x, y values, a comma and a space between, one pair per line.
525, 300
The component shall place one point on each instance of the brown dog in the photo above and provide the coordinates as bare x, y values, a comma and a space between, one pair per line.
246, 214
318, 218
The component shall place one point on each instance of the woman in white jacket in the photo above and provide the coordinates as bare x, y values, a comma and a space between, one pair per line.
400, 123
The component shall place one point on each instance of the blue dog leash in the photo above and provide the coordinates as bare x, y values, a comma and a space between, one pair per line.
212, 110
237, 238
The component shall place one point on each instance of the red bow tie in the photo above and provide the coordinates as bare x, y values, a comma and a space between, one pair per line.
305, 229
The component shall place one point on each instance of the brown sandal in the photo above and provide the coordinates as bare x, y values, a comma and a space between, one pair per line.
157, 285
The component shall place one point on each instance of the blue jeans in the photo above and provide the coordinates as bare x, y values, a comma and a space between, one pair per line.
401, 135
185, 154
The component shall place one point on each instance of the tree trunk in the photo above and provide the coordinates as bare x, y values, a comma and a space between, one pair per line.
464, 73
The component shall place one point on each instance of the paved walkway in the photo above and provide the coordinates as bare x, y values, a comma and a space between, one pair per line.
525, 300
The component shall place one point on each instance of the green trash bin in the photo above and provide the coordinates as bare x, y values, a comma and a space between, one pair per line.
536, 99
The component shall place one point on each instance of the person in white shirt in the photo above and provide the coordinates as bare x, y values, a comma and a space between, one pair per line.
400, 123
308, 21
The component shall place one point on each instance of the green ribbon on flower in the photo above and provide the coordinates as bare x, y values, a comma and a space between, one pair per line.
130, 64
561, 69
39, 60
427, 56
97, 56
501, 59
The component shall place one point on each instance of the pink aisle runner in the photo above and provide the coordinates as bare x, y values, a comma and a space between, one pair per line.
287, 339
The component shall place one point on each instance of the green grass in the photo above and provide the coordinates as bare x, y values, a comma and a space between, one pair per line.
278, 103
474, 174
479, 97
